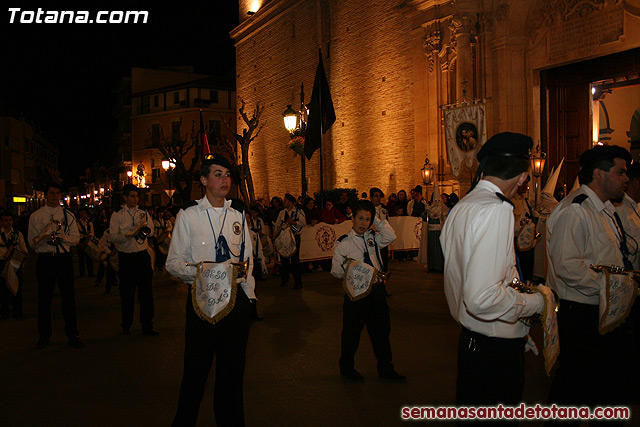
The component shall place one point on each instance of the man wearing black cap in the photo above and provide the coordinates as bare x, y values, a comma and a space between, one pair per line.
128, 230
213, 229
294, 218
585, 229
477, 241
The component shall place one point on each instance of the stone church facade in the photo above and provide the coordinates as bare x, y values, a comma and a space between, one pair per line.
393, 65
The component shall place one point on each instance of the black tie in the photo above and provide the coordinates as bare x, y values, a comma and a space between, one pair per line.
367, 258
624, 249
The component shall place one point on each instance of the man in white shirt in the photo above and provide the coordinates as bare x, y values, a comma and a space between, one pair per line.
53, 230
477, 241
213, 229
85, 227
585, 229
128, 230
292, 217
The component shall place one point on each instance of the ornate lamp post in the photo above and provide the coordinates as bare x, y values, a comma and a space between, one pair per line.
129, 175
295, 122
168, 166
427, 172
538, 159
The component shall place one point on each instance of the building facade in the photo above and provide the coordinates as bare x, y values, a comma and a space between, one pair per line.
397, 67
165, 109
28, 160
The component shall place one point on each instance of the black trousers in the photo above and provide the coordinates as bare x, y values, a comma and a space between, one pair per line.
227, 340
490, 370
8, 300
291, 265
84, 259
593, 369
134, 271
49, 271
384, 254
372, 311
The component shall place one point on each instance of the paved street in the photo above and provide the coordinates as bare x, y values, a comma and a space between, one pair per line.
291, 378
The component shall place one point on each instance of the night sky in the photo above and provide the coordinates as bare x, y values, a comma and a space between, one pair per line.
62, 77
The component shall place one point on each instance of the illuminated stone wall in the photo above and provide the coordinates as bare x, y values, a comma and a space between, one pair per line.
368, 59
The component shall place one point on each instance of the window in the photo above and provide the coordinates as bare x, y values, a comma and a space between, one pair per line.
156, 100
155, 136
176, 97
145, 105
213, 96
175, 131
155, 175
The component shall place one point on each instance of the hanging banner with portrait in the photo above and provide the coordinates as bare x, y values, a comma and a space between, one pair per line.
465, 132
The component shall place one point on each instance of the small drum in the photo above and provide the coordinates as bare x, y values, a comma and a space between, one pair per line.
91, 249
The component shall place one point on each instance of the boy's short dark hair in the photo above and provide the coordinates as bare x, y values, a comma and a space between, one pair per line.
128, 188
504, 167
52, 184
600, 157
5, 214
375, 190
365, 205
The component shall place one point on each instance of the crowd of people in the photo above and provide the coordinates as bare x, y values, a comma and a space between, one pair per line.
480, 244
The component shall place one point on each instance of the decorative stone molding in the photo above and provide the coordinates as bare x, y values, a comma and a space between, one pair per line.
432, 45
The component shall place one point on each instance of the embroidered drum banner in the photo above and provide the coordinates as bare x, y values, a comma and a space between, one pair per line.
214, 291
358, 279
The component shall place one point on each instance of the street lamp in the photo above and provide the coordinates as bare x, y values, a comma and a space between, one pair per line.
295, 122
168, 166
538, 159
290, 119
129, 175
427, 174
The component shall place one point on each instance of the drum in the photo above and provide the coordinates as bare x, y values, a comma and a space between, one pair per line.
91, 249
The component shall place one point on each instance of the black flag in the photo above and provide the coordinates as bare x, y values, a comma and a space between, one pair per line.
321, 112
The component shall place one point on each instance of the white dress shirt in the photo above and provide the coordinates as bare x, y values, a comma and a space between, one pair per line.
580, 234
124, 221
477, 241
85, 228
193, 240
41, 220
354, 246
297, 214
630, 216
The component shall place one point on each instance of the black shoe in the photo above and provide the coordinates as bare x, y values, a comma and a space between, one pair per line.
43, 342
75, 342
298, 286
126, 331
392, 376
351, 375
150, 331
256, 317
